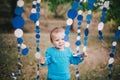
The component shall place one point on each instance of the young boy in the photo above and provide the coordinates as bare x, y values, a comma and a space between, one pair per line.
58, 57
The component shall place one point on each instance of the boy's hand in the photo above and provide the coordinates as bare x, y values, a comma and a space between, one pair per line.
85, 54
42, 60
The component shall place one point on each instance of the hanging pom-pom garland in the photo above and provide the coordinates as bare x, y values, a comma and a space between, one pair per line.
72, 14
78, 40
88, 21
112, 53
18, 23
35, 16
102, 19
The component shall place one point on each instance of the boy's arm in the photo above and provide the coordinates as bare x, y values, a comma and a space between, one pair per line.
78, 58
45, 60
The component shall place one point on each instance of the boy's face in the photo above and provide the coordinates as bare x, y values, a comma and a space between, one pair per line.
58, 40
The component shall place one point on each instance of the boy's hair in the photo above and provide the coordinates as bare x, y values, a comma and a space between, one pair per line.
56, 30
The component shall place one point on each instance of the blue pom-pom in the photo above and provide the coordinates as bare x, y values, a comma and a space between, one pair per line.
80, 17
88, 17
117, 33
38, 9
37, 30
18, 49
101, 37
85, 43
113, 47
77, 0
85, 38
34, 17
109, 76
78, 42
111, 55
115, 38
90, 6
38, 49
102, 19
86, 32
25, 51
75, 5
91, 1
79, 23
33, 6
38, 41
66, 38
67, 28
18, 22
38, 27
100, 33
104, 9
72, 13
67, 32
113, 51
110, 65
88, 22
19, 40
37, 35
19, 10
37, 77
103, 13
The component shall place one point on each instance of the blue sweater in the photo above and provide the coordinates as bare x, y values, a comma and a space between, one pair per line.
58, 62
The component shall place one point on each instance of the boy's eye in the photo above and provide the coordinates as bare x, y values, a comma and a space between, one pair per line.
57, 40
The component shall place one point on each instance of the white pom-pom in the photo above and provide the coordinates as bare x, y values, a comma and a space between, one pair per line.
78, 37
80, 12
20, 3
37, 55
89, 12
78, 30
18, 45
84, 49
77, 48
85, 0
118, 27
37, 23
69, 21
38, 1
23, 46
100, 26
111, 60
106, 4
13, 74
18, 33
77, 75
67, 44
33, 10
88, 25
38, 72
34, 2
114, 43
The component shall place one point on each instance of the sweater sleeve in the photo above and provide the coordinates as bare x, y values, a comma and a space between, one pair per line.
75, 60
48, 58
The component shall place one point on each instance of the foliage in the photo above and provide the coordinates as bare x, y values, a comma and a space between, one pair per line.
53, 4
113, 12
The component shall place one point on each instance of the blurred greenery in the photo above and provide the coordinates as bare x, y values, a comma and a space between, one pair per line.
113, 13
7, 11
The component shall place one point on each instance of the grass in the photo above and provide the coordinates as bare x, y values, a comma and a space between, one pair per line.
93, 68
